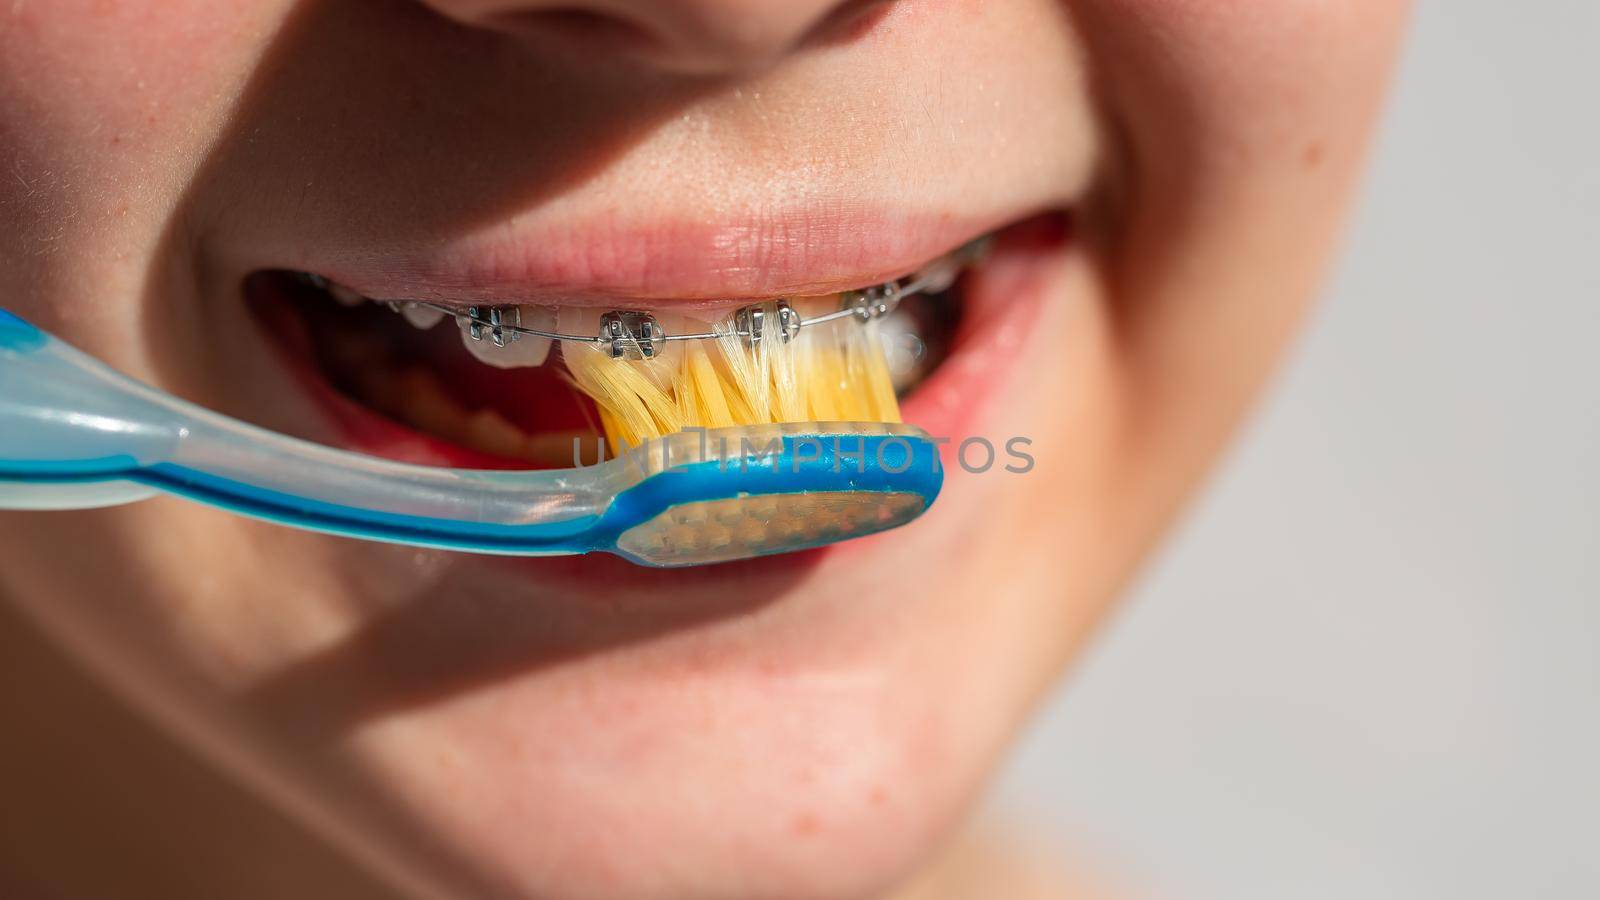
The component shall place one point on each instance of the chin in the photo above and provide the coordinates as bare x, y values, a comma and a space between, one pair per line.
710, 773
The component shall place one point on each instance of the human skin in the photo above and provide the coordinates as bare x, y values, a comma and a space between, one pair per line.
443, 725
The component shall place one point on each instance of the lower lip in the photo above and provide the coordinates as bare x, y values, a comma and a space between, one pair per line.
1001, 296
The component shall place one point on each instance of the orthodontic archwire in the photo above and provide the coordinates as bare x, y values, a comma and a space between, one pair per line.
635, 334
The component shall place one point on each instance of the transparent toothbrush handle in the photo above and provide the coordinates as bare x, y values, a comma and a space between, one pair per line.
69, 426
76, 433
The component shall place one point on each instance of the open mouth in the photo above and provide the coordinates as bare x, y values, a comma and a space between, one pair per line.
429, 382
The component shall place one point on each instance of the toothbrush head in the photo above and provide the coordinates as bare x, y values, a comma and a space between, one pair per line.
737, 493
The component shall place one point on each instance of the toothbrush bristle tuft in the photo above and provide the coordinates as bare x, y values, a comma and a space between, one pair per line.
837, 371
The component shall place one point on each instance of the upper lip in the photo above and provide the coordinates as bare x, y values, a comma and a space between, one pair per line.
601, 261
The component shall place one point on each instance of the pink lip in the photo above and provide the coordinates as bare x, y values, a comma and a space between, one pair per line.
813, 251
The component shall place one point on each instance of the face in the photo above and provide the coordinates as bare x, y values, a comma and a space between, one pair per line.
1164, 180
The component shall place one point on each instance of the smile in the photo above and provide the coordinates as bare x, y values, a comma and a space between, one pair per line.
556, 384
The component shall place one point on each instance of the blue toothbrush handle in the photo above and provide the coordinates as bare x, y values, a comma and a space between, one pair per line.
75, 433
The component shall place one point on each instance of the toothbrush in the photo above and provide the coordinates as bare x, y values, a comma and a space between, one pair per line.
76, 434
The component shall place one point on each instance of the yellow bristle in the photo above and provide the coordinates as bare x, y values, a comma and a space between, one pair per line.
634, 406
879, 383
837, 371
821, 364
705, 403
746, 379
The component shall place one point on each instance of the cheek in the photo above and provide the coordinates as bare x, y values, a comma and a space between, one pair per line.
121, 64
106, 105
1229, 78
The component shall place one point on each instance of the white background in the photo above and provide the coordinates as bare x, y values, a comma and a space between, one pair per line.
1366, 664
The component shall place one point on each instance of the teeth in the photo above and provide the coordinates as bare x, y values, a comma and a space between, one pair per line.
904, 350
521, 350
939, 275
344, 296
427, 406
341, 294
488, 430
421, 317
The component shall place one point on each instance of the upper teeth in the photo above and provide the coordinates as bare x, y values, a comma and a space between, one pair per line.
487, 333
423, 317
511, 350
514, 350
344, 295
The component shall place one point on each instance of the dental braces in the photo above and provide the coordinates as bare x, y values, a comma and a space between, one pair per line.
638, 335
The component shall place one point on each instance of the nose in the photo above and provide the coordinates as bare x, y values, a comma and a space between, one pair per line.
695, 36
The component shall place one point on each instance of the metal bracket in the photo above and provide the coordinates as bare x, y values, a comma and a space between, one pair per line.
631, 334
